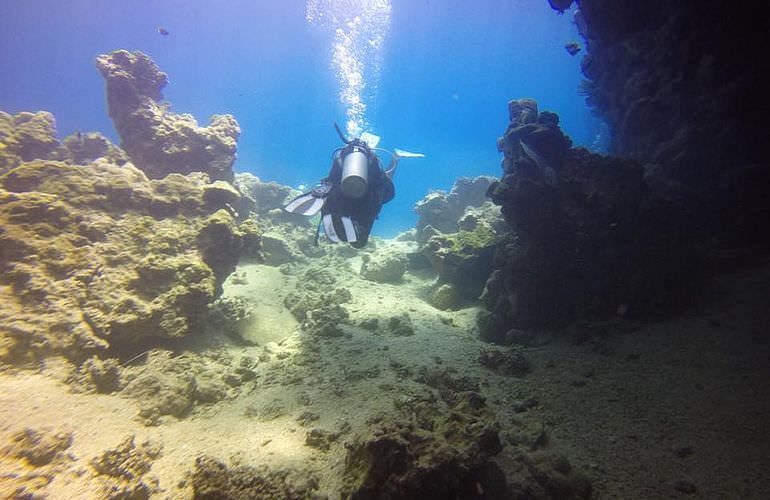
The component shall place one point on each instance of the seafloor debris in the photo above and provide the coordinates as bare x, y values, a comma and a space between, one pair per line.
507, 362
437, 452
122, 471
212, 479
39, 447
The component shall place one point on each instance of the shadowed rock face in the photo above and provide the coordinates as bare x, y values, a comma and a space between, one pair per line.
590, 233
158, 141
678, 83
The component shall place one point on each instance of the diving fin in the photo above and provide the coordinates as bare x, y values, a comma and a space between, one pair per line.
305, 204
371, 140
406, 154
311, 203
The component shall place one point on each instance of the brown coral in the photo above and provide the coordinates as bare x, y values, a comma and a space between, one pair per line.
100, 255
160, 142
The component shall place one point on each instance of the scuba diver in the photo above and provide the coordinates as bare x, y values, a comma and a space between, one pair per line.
351, 196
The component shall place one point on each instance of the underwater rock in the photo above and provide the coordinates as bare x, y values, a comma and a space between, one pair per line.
230, 315
549, 475
590, 236
99, 256
162, 394
97, 375
441, 210
445, 296
262, 197
326, 321
83, 148
166, 385
444, 453
384, 266
678, 84
277, 250
464, 258
560, 5
158, 141
39, 447
401, 325
211, 479
122, 471
510, 362
26, 136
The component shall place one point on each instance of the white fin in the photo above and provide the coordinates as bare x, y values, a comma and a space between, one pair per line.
350, 231
406, 154
329, 228
370, 139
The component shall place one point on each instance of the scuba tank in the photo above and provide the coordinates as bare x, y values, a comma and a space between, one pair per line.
355, 172
355, 166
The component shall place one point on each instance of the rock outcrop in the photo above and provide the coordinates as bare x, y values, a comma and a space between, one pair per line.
591, 234
100, 256
458, 232
440, 211
158, 141
680, 86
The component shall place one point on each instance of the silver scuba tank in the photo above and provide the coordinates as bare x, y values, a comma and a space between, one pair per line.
355, 170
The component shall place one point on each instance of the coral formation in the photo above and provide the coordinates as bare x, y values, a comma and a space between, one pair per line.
384, 266
158, 141
444, 452
100, 256
123, 470
678, 84
440, 211
589, 233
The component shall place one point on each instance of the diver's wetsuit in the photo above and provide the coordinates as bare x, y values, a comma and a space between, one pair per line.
364, 210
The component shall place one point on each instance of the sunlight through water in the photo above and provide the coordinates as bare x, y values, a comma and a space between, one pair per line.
360, 28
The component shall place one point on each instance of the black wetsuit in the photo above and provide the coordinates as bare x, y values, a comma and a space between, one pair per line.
364, 210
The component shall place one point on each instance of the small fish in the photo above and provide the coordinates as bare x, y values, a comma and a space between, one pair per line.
548, 173
2, 146
163, 31
573, 48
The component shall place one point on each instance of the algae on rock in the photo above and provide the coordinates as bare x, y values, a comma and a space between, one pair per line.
158, 141
101, 256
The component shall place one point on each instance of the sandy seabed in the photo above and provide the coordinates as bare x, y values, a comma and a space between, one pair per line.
667, 409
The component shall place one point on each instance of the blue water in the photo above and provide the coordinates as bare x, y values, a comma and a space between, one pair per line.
448, 68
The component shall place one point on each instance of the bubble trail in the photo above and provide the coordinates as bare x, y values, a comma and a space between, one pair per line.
360, 28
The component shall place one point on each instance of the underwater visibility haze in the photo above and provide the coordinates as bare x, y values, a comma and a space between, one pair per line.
383, 249
427, 75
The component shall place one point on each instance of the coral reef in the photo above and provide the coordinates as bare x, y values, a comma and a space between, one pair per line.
440, 211
29, 136
457, 233
39, 447
463, 259
591, 234
100, 256
158, 141
678, 84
